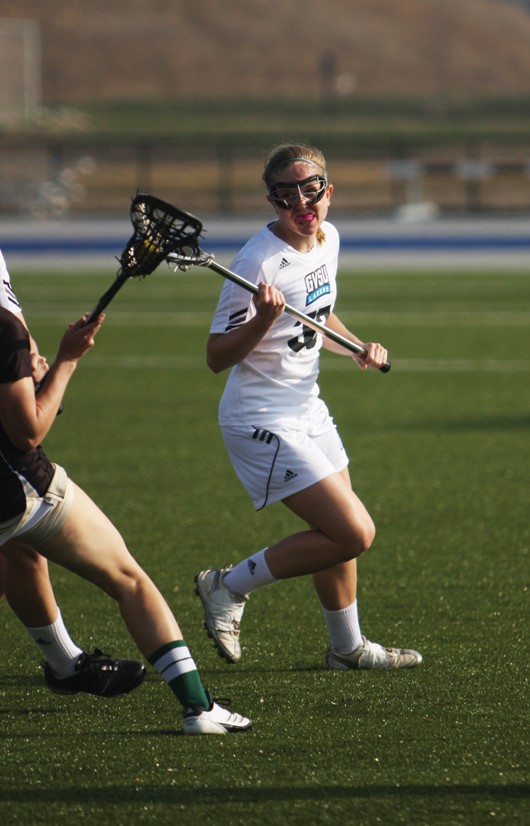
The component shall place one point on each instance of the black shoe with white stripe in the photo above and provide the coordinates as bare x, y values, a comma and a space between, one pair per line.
99, 674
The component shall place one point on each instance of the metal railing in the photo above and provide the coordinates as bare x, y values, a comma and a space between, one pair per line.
54, 178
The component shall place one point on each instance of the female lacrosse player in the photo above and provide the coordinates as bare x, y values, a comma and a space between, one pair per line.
25, 580
42, 508
281, 439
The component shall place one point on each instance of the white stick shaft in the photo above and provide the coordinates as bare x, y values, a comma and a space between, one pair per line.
305, 319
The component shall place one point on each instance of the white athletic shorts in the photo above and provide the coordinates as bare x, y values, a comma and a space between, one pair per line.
274, 464
44, 515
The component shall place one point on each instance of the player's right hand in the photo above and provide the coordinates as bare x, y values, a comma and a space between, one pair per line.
269, 302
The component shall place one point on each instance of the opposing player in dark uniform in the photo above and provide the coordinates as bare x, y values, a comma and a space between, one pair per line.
42, 508
26, 583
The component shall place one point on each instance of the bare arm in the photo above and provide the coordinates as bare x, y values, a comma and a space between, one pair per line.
226, 349
374, 355
27, 418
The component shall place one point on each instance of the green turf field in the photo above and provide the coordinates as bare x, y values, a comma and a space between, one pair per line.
439, 453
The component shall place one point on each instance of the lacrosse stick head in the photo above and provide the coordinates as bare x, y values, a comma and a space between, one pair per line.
160, 229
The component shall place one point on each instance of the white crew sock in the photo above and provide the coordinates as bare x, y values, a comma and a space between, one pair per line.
249, 575
343, 628
57, 647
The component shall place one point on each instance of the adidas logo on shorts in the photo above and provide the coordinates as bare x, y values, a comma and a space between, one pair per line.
289, 476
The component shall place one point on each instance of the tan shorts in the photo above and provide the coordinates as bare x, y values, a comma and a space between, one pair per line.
44, 515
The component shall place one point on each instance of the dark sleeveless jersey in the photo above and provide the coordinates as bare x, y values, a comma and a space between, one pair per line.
18, 468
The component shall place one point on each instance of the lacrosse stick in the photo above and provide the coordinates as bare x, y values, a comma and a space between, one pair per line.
159, 229
190, 254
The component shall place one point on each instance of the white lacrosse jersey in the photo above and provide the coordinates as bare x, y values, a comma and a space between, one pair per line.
8, 299
278, 380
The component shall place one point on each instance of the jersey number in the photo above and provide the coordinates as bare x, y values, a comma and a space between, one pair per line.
308, 337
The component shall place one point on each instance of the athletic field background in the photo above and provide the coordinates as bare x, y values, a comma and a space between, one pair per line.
439, 454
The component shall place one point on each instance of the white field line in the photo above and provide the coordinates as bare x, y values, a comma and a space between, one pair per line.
460, 366
462, 318
331, 364
122, 318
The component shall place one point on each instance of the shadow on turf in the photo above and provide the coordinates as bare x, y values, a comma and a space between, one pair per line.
204, 794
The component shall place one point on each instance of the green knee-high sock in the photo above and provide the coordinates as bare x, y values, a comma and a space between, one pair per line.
177, 667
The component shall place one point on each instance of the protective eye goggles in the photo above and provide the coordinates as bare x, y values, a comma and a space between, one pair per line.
311, 190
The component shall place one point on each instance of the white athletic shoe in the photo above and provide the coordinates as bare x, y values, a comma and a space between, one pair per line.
213, 720
373, 655
222, 611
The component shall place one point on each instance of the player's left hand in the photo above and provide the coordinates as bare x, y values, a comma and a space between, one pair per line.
79, 338
374, 356
39, 367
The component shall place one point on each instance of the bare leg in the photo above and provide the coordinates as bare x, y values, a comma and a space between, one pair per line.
89, 545
27, 585
337, 586
341, 530
30, 595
